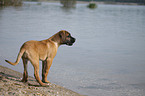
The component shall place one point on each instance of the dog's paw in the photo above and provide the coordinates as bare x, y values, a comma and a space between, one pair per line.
45, 81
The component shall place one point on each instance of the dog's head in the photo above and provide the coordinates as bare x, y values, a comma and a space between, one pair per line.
66, 38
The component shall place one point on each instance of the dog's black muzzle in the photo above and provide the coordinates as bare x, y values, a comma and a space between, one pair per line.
71, 41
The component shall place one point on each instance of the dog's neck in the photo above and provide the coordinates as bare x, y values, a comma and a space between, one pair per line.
56, 40
56, 44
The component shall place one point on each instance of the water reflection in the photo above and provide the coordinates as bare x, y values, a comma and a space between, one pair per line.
67, 10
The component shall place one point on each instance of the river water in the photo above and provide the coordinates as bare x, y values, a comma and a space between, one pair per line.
108, 58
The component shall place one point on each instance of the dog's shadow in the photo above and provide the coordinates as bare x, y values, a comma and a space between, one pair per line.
6, 77
37, 85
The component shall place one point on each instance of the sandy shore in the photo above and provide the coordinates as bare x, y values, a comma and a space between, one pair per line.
10, 84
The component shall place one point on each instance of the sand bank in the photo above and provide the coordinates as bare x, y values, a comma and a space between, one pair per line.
10, 84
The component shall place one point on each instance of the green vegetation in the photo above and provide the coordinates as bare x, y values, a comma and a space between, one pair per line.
71, 3
10, 2
68, 3
92, 5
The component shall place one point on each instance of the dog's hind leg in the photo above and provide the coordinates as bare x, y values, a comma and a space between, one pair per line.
25, 74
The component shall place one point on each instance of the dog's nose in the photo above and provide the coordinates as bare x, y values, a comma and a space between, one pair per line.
74, 39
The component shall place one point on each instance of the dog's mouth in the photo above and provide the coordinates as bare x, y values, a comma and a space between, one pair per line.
69, 44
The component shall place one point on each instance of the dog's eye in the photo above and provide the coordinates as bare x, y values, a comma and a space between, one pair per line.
68, 36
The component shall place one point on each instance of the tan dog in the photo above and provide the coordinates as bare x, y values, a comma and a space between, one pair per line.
45, 51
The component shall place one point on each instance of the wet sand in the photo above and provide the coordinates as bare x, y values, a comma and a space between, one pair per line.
10, 84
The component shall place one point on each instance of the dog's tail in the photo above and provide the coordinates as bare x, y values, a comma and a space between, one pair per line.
22, 50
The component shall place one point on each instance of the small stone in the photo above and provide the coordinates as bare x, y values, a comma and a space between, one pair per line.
11, 93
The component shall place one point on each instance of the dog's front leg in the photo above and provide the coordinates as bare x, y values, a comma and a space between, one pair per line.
45, 69
35, 64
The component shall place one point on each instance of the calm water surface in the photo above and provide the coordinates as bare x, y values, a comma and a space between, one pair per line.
108, 58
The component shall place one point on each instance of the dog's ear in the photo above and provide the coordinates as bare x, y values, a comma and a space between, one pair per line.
62, 34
